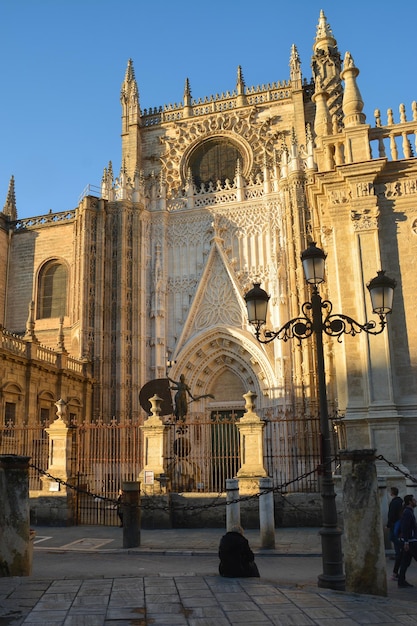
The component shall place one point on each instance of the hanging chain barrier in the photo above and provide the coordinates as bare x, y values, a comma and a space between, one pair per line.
380, 457
280, 489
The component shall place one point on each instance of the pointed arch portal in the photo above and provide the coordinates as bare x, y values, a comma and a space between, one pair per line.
226, 364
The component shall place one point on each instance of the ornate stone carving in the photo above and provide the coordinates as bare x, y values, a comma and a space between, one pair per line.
243, 127
218, 307
365, 220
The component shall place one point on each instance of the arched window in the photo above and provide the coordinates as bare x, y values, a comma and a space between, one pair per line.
214, 160
52, 290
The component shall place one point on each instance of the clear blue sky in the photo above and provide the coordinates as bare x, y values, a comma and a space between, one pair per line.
62, 63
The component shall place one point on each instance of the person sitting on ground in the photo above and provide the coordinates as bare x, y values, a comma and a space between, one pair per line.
236, 558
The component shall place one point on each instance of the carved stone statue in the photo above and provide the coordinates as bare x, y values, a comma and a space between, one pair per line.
181, 397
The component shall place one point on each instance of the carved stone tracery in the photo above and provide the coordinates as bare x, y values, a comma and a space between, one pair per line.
254, 137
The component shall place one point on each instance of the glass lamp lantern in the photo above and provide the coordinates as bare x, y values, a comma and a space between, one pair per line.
257, 305
381, 289
313, 259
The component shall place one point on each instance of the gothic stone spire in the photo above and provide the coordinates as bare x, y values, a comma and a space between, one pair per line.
129, 97
240, 88
131, 122
10, 204
326, 64
188, 109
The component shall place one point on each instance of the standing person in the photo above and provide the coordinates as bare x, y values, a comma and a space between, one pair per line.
394, 514
408, 534
236, 557
119, 507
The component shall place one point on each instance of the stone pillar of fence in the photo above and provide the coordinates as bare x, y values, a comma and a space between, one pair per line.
55, 502
16, 538
266, 513
252, 470
60, 446
153, 446
364, 549
233, 504
250, 428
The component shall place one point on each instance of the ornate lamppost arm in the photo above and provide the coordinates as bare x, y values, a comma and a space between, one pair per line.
297, 328
338, 324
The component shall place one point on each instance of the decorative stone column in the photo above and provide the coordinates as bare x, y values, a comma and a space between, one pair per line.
153, 445
364, 549
16, 547
250, 428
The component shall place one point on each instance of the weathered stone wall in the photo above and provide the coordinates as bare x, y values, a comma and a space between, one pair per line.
30, 249
15, 536
50, 510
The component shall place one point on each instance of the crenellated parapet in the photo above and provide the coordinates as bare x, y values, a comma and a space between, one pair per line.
217, 103
44, 220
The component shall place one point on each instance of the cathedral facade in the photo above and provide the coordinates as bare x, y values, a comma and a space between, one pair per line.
215, 195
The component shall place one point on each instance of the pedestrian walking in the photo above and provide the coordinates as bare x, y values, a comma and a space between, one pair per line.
120, 507
395, 510
408, 536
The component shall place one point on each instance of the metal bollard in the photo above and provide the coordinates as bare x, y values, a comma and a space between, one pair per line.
131, 514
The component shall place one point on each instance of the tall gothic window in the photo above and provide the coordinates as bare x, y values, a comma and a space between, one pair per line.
10, 413
52, 290
214, 160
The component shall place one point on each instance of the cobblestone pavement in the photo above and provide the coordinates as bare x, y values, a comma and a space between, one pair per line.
80, 596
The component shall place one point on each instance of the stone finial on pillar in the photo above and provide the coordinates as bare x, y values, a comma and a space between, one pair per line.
30, 323
61, 409
153, 445
60, 344
352, 100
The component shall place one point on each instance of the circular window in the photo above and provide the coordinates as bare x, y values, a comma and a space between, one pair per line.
214, 160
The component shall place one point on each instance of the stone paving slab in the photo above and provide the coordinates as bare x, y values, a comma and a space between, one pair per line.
186, 599
212, 600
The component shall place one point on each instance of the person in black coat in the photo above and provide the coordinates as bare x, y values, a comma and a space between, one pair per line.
395, 510
408, 534
236, 558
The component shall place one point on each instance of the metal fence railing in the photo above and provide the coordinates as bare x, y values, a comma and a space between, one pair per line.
198, 456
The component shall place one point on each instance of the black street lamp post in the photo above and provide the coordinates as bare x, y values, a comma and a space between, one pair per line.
381, 289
